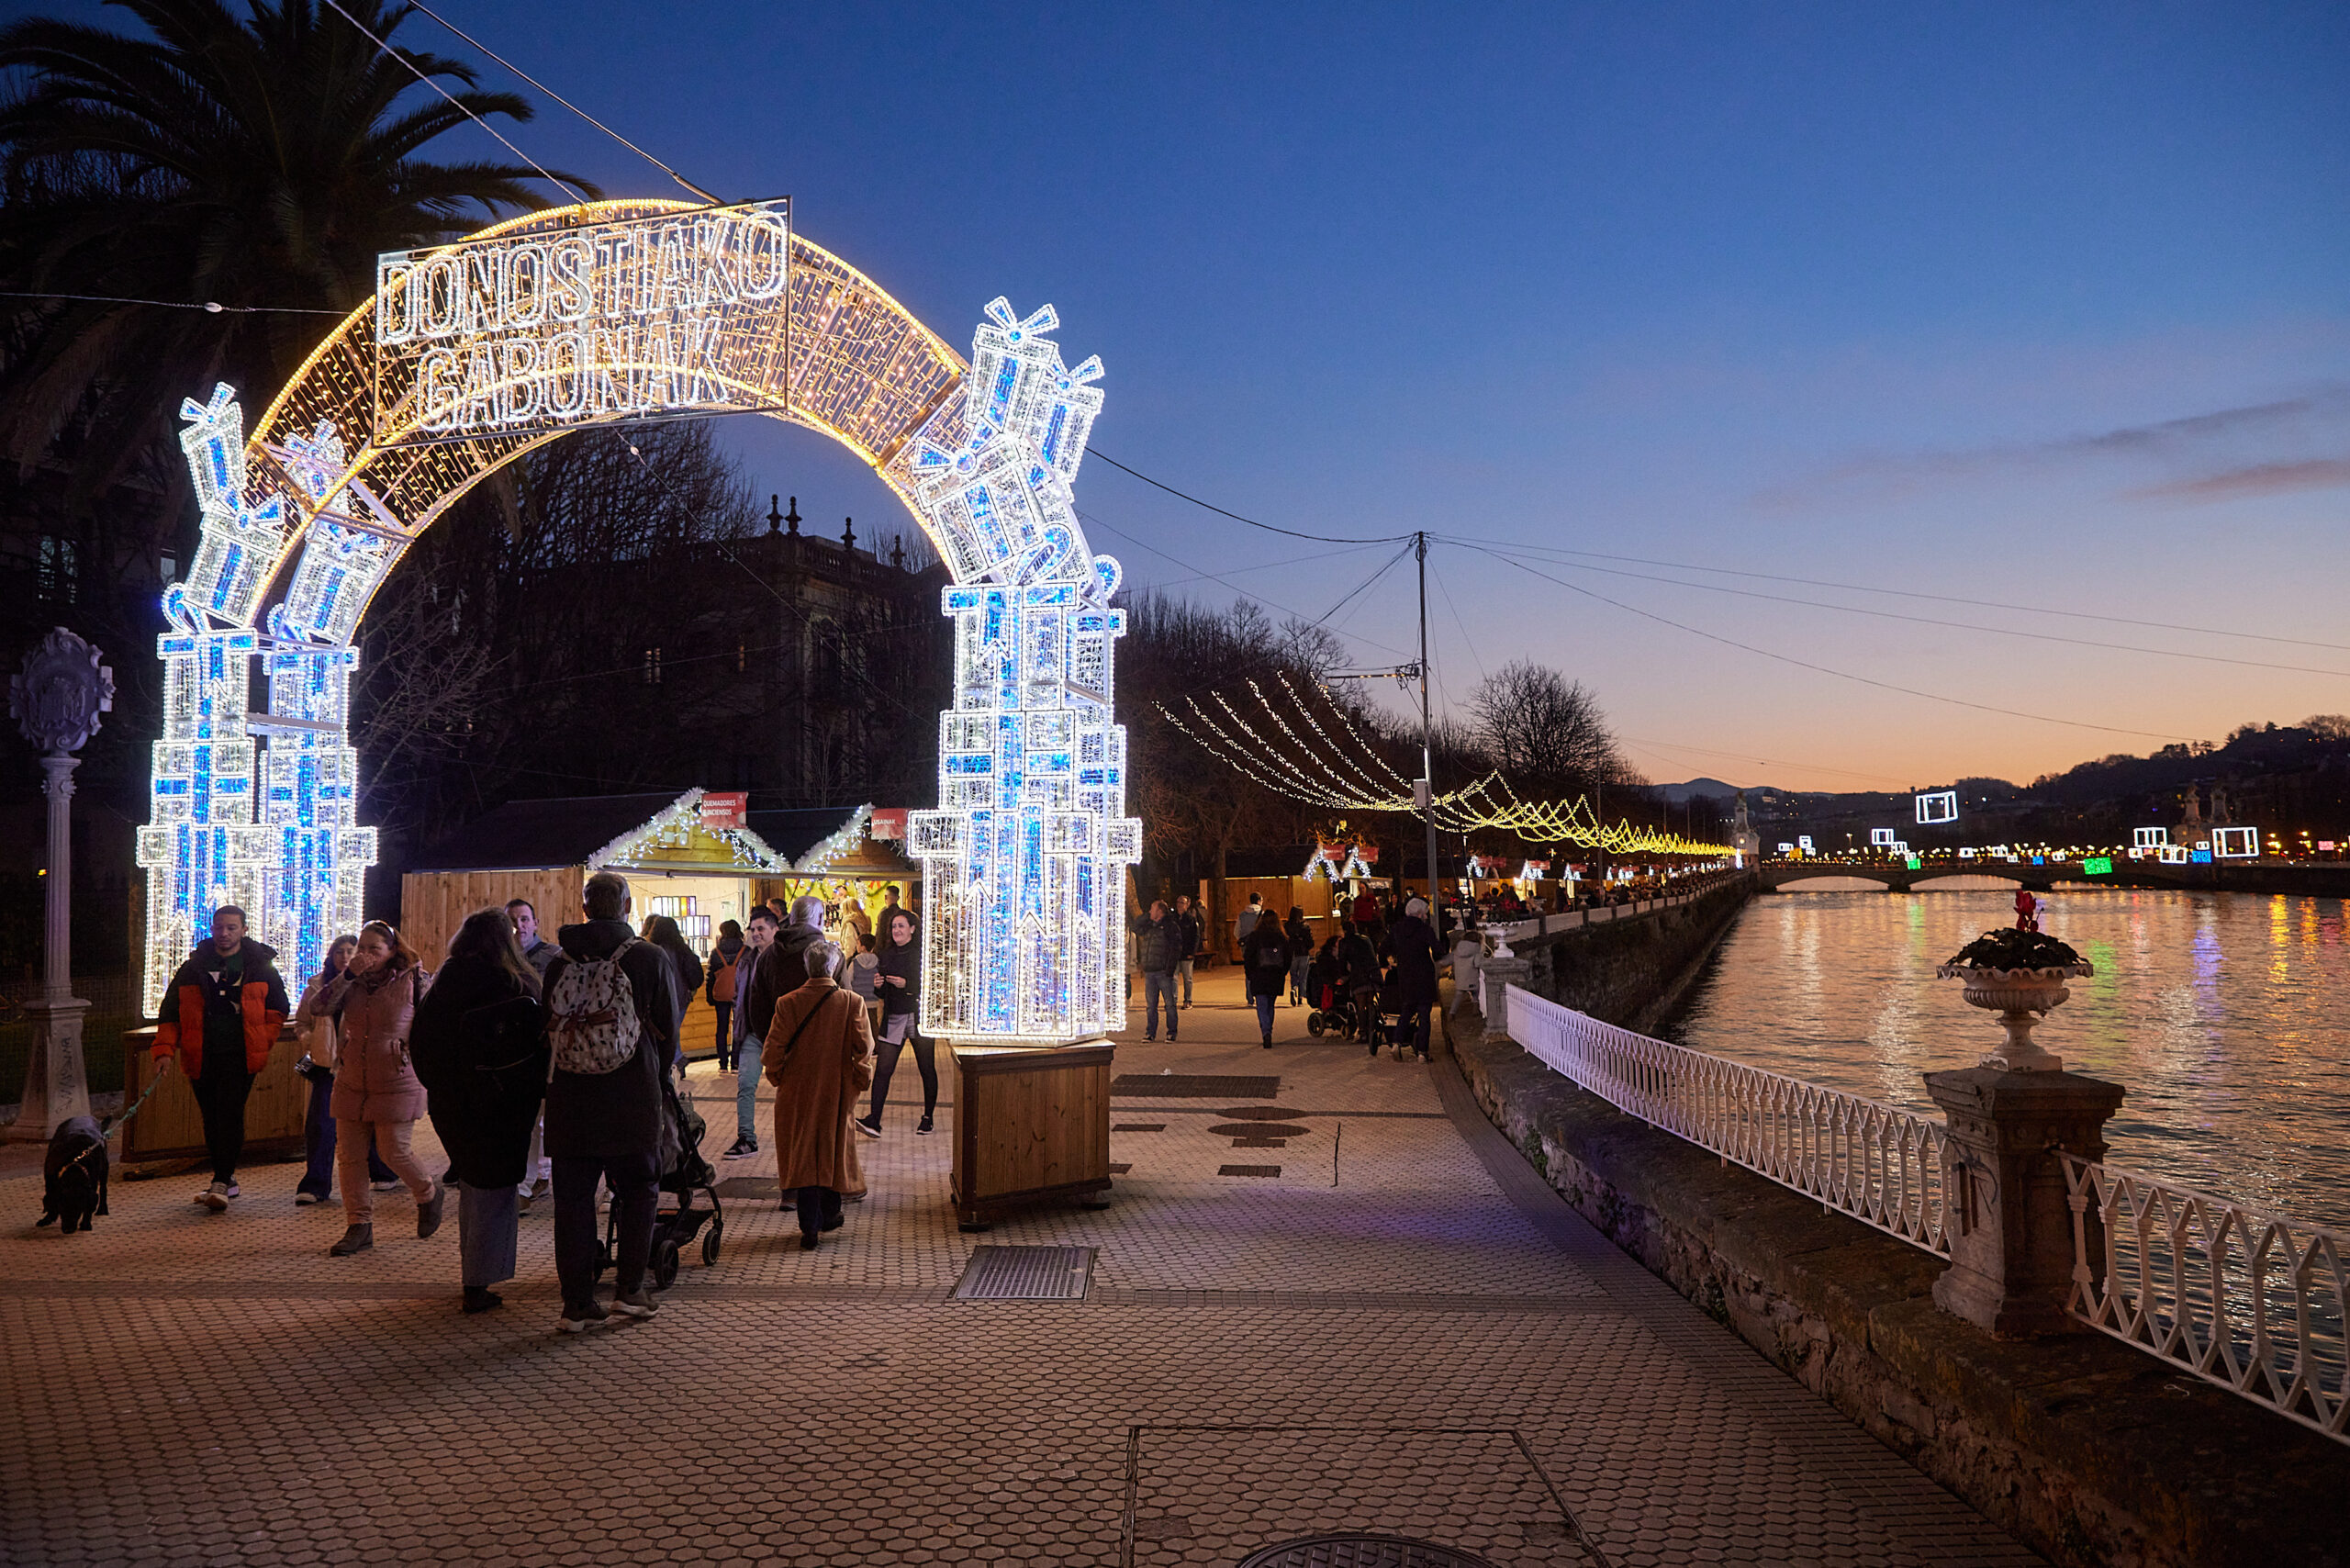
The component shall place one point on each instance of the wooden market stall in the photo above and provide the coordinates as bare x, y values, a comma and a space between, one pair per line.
699, 859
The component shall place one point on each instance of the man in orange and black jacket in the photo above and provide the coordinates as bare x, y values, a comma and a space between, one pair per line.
221, 1015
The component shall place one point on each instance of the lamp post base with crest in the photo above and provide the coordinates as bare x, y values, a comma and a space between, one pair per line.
56, 701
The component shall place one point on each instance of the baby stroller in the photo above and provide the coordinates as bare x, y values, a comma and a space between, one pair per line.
673, 1229
1333, 1010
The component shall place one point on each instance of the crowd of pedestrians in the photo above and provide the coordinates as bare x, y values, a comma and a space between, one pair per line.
1381, 963
551, 1068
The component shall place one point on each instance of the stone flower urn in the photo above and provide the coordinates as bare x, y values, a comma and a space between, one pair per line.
2019, 975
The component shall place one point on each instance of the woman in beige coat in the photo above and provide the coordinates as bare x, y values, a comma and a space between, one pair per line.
819, 1057
375, 1089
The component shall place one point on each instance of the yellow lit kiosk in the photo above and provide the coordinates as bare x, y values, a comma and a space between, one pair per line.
699, 857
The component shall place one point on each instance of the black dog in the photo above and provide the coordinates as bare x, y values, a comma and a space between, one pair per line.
74, 1175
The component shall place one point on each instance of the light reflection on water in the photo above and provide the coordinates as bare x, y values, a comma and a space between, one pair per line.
2225, 1016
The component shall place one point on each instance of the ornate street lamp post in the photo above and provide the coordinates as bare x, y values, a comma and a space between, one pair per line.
56, 701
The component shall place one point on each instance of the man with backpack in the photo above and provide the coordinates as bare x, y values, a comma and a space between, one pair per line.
612, 1011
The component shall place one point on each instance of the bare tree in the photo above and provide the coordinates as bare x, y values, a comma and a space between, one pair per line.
1545, 732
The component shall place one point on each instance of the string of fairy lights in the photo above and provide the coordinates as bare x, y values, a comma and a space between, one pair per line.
1339, 769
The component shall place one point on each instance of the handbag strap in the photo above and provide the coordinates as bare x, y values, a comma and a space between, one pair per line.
793, 1038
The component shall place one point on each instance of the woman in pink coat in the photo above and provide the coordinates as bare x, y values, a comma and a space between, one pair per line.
375, 1089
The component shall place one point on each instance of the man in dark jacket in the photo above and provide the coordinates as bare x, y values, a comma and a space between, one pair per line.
1358, 958
1412, 944
1193, 929
781, 970
608, 1125
221, 1014
1158, 942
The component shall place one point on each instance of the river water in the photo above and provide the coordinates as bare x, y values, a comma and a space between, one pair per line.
2225, 1016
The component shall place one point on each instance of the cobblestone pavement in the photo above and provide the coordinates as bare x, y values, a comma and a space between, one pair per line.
1398, 1329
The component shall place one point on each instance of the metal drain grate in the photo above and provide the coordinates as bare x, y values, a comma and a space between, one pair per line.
1190, 1086
1248, 1170
1360, 1551
1026, 1273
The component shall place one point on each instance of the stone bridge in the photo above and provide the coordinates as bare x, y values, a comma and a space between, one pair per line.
1778, 875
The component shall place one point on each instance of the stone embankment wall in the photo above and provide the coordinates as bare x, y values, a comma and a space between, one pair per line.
1634, 971
2091, 1451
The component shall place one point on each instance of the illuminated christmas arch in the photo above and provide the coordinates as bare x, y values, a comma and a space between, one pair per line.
470, 355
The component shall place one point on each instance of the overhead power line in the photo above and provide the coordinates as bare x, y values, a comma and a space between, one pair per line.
1210, 506
566, 103
420, 75
1554, 550
213, 306
1820, 669
1955, 625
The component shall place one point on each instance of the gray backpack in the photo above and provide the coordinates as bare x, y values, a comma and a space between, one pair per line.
591, 1017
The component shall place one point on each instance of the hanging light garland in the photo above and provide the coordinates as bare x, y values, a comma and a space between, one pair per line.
1339, 769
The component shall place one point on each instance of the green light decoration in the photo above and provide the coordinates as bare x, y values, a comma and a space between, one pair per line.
2097, 866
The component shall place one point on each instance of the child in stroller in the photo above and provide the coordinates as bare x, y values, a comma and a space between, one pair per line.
686, 1173
1326, 989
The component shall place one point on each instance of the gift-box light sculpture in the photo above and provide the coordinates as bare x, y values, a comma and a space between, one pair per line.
1024, 860
472, 354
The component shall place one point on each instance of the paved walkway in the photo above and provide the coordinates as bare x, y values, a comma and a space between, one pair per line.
1393, 1327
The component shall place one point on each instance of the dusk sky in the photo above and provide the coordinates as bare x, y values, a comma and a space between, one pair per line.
2042, 305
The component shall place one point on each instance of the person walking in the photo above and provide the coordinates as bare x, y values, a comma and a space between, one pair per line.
819, 1057
1412, 944
376, 1089
717, 988
538, 1173
479, 1046
1301, 953
898, 982
684, 970
221, 1014
318, 1033
609, 1011
1158, 943
1468, 955
1264, 959
1245, 923
750, 1024
1188, 919
778, 971
1360, 960
861, 973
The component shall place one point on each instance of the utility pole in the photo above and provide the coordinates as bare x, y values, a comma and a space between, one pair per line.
1427, 789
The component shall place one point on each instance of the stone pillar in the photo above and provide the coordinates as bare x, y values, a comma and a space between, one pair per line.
56, 1087
2010, 1225
56, 700
1496, 975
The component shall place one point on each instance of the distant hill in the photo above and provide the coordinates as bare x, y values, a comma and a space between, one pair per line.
1708, 788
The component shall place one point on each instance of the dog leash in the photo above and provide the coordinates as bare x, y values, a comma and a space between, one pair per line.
106, 1133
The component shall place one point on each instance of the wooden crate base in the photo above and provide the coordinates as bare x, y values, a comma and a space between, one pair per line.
1031, 1126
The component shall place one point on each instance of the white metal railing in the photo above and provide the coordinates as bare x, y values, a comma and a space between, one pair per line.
1507, 931
1879, 1164
2252, 1301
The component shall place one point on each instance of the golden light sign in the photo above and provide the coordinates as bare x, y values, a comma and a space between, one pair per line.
623, 319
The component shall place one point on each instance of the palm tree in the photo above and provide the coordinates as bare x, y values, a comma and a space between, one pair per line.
260, 161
